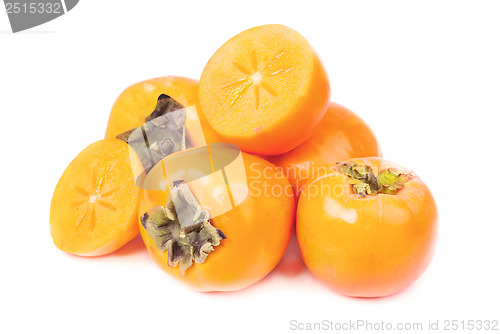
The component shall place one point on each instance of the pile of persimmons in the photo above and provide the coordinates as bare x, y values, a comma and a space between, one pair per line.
218, 174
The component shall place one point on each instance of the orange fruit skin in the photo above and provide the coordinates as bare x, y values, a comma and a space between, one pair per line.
341, 135
366, 247
92, 215
258, 231
139, 100
297, 121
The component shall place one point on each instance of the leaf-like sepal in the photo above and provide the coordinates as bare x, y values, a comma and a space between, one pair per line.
183, 244
365, 182
391, 180
163, 133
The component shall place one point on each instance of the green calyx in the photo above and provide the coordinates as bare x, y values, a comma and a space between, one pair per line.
365, 182
163, 133
182, 228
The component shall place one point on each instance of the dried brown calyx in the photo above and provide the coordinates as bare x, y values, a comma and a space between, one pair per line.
163, 133
182, 228
365, 182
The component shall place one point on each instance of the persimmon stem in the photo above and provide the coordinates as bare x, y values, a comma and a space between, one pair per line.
182, 228
365, 182
163, 133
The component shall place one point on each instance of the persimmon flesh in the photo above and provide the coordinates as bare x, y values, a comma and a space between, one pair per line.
265, 90
94, 207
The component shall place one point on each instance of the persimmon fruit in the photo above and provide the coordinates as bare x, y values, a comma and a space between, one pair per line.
138, 101
94, 207
265, 90
341, 135
368, 228
232, 250
202, 170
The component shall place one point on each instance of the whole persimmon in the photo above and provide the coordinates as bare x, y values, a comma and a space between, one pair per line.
138, 101
341, 135
212, 235
368, 228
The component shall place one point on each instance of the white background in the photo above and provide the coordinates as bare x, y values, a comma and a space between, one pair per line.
424, 74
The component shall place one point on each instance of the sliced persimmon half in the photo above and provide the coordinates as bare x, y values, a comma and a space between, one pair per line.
94, 207
264, 90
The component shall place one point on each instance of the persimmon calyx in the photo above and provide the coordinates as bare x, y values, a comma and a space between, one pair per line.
163, 133
182, 228
365, 182
164, 105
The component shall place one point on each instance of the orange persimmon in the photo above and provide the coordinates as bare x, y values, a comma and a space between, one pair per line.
341, 135
138, 101
94, 207
368, 228
240, 245
265, 90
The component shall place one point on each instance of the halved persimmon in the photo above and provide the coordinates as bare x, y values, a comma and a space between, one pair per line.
94, 207
265, 90
368, 228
